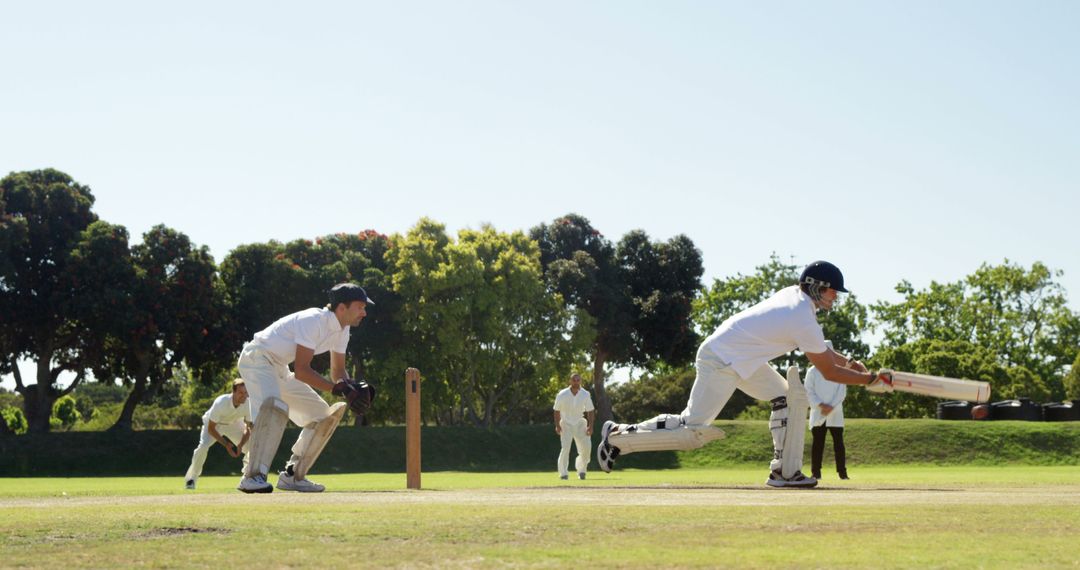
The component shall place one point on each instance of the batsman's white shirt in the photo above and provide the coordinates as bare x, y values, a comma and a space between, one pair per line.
572, 408
822, 391
750, 339
317, 329
223, 412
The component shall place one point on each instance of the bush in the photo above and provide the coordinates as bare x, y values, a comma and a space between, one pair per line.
65, 412
13, 421
1072, 381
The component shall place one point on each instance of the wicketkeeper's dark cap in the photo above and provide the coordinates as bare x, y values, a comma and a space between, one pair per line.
823, 274
347, 293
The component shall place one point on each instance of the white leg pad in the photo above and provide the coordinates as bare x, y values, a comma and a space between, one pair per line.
315, 444
266, 436
681, 438
798, 405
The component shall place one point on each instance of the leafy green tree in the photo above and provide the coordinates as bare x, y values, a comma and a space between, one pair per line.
480, 321
13, 231
177, 300
1072, 380
66, 411
45, 304
637, 295
1020, 315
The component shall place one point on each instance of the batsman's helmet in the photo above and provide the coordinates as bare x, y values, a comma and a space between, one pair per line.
822, 274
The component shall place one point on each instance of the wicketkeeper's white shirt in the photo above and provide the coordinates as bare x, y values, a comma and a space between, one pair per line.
821, 391
223, 412
782, 323
317, 329
572, 408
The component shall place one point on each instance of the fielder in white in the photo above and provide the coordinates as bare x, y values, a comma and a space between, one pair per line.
278, 395
826, 413
227, 421
737, 356
574, 417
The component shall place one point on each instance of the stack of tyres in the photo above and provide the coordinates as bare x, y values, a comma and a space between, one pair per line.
1023, 409
954, 410
1067, 411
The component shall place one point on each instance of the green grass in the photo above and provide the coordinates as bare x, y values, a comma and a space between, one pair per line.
885, 517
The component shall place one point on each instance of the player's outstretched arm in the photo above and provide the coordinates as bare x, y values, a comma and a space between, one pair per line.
826, 363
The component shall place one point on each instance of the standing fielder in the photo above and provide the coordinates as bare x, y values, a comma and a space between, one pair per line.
574, 417
737, 355
227, 420
278, 395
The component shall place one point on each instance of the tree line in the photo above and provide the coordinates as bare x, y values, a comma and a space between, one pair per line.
495, 320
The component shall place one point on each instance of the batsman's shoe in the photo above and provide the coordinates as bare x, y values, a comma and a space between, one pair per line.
255, 484
605, 452
287, 482
190, 484
796, 481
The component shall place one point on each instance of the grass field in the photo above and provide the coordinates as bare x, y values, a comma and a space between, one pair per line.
886, 517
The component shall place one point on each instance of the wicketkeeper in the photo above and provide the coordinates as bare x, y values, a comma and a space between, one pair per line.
736, 356
278, 395
228, 422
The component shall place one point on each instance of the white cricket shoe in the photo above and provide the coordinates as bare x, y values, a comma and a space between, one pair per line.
796, 481
256, 484
605, 452
287, 482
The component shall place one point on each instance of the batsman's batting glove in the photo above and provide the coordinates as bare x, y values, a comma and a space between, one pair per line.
880, 382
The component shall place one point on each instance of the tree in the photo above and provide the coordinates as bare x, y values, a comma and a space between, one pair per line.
1020, 315
1072, 380
42, 299
637, 295
176, 302
12, 421
480, 320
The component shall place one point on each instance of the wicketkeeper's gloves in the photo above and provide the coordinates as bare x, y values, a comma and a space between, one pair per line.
357, 393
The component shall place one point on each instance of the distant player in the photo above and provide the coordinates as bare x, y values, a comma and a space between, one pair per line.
278, 395
737, 355
227, 421
574, 417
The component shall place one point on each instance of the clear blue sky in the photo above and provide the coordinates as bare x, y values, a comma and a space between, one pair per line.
900, 140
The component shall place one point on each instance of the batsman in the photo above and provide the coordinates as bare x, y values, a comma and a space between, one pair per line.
736, 356
278, 395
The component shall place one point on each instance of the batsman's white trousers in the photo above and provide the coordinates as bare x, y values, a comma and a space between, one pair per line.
233, 431
713, 386
265, 378
575, 432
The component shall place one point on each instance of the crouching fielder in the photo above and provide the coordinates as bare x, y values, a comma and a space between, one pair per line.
737, 355
278, 395
227, 421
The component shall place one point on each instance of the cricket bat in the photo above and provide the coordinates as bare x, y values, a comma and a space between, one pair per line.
940, 386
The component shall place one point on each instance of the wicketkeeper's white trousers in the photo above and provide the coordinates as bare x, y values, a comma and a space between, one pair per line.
233, 431
575, 432
265, 378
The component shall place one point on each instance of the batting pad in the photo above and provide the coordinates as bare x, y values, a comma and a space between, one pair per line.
681, 438
795, 435
266, 436
315, 444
